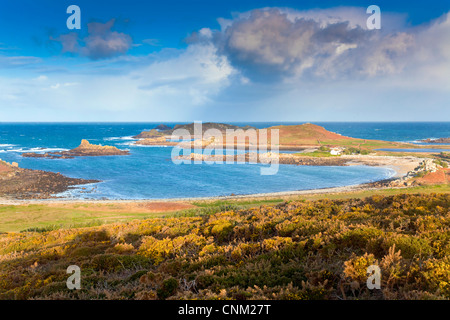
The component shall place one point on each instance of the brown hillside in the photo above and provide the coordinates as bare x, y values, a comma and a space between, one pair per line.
307, 134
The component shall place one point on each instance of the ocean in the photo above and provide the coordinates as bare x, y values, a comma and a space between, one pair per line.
149, 173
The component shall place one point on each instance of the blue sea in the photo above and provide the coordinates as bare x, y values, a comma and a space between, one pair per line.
149, 173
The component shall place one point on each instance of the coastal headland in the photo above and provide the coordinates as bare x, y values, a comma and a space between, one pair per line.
19, 183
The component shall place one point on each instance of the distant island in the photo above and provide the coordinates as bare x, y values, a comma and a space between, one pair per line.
222, 127
291, 137
162, 131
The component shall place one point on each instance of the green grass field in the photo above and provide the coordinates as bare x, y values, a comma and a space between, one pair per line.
22, 217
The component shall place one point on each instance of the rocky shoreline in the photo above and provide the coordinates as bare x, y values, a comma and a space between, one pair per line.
85, 149
439, 140
23, 184
266, 158
204, 144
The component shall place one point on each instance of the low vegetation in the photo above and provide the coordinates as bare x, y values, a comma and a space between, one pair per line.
293, 250
442, 163
444, 156
325, 152
316, 154
355, 151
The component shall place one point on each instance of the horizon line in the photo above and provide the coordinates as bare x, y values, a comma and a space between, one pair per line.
206, 121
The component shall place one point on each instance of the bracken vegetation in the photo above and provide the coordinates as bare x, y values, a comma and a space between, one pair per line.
295, 250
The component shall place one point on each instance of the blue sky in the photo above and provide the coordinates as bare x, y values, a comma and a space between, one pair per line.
229, 60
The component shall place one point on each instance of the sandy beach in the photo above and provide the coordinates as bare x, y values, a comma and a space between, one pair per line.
401, 165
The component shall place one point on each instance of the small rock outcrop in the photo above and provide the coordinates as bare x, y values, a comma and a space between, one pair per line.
88, 149
153, 141
85, 149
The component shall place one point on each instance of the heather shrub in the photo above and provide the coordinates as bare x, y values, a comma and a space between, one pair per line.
167, 288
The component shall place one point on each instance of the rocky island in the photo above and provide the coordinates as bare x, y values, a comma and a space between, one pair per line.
85, 149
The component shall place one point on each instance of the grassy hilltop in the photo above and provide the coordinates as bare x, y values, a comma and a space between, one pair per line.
316, 136
309, 134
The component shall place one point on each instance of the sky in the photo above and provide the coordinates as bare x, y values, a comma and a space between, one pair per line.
228, 61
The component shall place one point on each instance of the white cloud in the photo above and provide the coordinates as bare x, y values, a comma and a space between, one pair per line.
195, 75
430, 61
60, 85
42, 78
18, 61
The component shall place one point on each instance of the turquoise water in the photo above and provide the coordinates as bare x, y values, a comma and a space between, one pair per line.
149, 173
